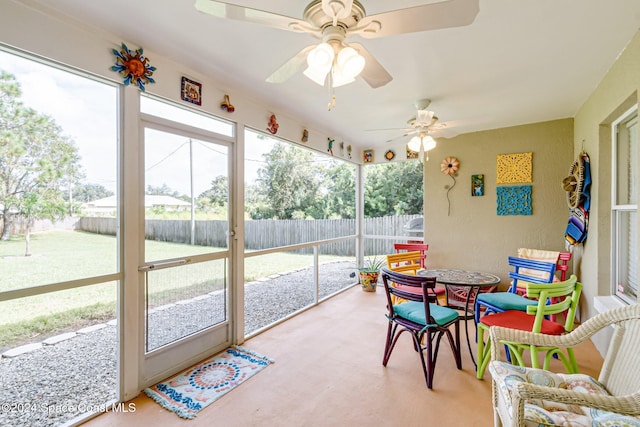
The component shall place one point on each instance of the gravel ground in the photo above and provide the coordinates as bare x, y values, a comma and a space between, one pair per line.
54, 384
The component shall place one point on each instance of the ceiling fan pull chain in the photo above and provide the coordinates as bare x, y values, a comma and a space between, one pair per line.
332, 97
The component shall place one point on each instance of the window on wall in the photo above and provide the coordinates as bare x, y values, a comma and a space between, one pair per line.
59, 250
625, 206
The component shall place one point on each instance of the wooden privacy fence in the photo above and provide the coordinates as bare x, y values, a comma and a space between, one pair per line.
265, 234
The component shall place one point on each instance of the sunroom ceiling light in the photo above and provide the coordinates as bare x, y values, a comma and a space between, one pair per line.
321, 57
422, 143
350, 62
343, 67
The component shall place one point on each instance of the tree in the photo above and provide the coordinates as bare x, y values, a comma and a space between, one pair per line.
288, 186
44, 204
296, 184
165, 190
89, 192
393, 189
216, 198
36, 159
341, 190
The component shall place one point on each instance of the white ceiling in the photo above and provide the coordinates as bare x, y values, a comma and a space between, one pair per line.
520, 61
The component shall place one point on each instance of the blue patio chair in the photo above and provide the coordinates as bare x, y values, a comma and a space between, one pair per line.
524, 271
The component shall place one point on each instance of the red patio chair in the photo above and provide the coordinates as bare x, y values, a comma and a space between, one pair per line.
422, 248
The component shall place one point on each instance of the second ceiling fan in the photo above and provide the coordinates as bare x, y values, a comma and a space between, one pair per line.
333, 61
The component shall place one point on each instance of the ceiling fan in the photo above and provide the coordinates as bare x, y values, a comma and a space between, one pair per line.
423, 123
421, 127
332, 21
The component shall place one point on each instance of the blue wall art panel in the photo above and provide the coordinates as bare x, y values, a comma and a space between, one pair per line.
514, 200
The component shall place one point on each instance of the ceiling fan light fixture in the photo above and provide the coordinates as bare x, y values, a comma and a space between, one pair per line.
415, 144
428, 143
321, 57
315, 75
339, 78
350, 62
421, 144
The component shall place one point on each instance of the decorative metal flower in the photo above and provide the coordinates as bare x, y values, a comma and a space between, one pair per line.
449, 166
133, 67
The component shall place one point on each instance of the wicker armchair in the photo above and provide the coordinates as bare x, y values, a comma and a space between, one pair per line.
528, 396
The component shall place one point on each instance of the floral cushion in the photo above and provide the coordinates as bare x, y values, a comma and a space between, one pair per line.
539, 412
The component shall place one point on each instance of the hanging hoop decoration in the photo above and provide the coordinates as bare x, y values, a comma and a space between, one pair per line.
449, 166
572, 184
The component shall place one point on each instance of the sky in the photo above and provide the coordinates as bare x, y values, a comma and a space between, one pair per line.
86, 110
83, 108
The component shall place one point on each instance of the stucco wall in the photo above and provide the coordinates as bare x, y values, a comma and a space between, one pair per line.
474, 236
616, 93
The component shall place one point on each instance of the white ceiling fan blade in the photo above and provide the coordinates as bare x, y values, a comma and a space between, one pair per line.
434, 16
291, 67
401, 136
240, 13
383, 129
373, 73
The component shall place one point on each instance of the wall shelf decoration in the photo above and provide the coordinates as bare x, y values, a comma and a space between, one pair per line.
389, 155
191, 91
514, 200
514, 168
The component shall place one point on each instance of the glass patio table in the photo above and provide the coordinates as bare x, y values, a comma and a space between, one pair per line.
462, 288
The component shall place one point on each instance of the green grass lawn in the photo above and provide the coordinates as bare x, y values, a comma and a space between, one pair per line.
68, 255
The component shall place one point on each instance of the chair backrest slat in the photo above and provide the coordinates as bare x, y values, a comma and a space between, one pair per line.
555, 298
393, 282
544, 271
562, 266
404, 262
411, 247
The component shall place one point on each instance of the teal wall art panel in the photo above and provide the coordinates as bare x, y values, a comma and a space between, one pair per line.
514, 200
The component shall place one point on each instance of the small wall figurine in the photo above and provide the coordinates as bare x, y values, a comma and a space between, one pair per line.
305, 135
330, 142
273, 125
226, 105
349, 150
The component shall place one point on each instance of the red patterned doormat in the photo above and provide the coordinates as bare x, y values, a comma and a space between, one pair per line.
198, 387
